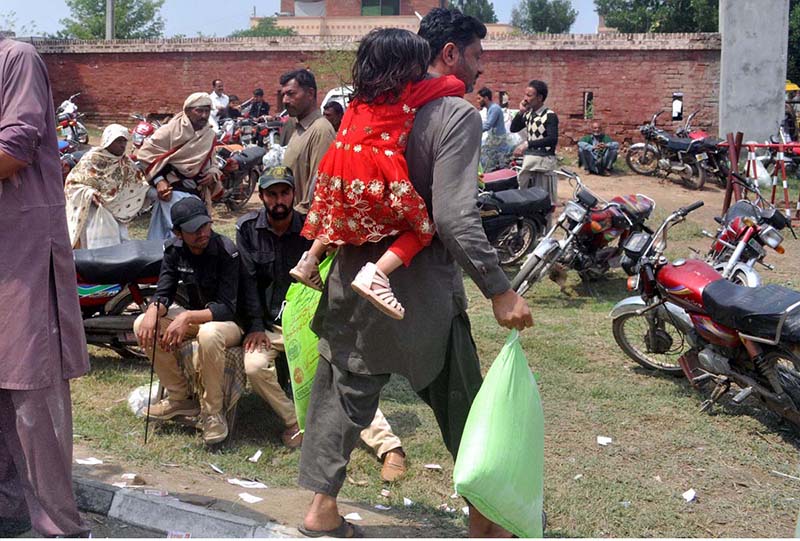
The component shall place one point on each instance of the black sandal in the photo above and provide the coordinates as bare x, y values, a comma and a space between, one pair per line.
339, 532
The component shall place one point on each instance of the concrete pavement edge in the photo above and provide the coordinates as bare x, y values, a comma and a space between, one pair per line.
166, 514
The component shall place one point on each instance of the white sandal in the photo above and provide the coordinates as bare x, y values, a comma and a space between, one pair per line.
307, 271
373, 285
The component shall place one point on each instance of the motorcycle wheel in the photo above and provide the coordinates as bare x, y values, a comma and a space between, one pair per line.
660, 351
642, 160
127, 307
516, 241
787, 365
532, 271
241, 195
698, 178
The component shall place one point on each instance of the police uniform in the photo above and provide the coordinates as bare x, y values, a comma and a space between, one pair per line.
211, 281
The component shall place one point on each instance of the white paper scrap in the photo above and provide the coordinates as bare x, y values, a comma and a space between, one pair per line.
128, 476
603, 440
122, 484
454, 495
433, 467
156, 492
353, 516
249, 498
215, 468
657, 478
380, 507
689, 495
91, 461
255, 457
577, 477
465, 510
385, 493
407, 502
247, 484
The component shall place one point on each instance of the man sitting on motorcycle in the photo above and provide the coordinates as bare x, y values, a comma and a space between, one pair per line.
258, 109
597, 152
208, 265
177, 161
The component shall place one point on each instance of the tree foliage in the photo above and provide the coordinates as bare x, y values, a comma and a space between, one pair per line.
793, 68
267, 27
631, 16
133, 19
480, 9
334, 64
551, 16
9, 23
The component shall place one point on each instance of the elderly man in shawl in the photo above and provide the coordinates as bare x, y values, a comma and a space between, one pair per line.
104, 177
178, 160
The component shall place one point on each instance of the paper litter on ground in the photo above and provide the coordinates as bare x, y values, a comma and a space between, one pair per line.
247, 484
407, 502
353, 516
603, 440
215, 468
155, 492
465, 510
446, 508
179, 535
249, 498
433, 467
657, 478
122, 484
91, 461
577, 477
255, 457
454, 495
380, 507
385, 492
689, 495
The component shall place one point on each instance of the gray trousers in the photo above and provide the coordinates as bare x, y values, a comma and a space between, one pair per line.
343, 403
597, 162
36, 460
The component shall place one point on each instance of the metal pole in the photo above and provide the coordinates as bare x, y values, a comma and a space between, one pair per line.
109, 19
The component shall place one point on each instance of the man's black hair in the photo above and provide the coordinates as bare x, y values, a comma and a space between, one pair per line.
540, 87
214, 82
445, 25
258, 92
233, 97
485, 92
304, 78
336, 106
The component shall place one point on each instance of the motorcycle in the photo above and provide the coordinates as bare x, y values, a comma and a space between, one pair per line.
688, 319
114, 286
588, 230
664, 154
67, 120
742, 237
69, 156
240, 168
142, 131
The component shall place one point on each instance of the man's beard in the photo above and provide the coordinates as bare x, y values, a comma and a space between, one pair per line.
279, 211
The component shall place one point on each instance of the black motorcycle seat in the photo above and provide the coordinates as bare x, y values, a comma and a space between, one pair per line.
679, 143
753, 310
502, 179
525, 202
120, 264
250, 157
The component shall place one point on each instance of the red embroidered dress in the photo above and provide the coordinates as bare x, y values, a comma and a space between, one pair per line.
363, 193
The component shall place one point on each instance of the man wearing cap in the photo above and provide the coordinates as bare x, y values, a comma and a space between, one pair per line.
208, 265
270, 244
178, 161
311, 133
104, 177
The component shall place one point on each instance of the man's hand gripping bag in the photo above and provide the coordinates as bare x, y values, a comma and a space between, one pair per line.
500, 464
300, 341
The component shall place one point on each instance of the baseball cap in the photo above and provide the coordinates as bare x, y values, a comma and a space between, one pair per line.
112, 133
276, 175
189, 214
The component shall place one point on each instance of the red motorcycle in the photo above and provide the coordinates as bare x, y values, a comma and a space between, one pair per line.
143, 130
688, 319
592, 234
114, 286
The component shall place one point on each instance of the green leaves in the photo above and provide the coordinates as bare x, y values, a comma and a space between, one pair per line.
550, 16
133, 19
634, 16
267, 27
480, 9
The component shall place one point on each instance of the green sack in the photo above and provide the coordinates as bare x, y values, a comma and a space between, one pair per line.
500, 464
300, 341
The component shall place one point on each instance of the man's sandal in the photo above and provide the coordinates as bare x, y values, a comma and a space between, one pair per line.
345, 530
373, 285
307, 271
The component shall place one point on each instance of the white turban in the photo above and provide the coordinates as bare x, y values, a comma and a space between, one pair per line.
198, 99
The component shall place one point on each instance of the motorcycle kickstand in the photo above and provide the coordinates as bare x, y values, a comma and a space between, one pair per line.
722, 387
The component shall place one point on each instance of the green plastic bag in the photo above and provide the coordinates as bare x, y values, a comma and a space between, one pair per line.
300, 341
500, 464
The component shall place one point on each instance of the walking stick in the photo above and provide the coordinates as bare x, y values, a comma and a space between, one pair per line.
152, 369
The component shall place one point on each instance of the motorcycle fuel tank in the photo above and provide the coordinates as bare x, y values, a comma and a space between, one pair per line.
683, 282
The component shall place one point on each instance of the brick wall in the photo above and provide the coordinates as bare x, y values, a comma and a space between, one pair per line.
343, 8
631, 76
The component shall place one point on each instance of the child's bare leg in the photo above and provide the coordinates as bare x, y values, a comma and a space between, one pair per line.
318, 249
389, 262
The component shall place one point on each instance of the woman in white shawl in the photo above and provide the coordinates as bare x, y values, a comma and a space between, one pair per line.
104, 177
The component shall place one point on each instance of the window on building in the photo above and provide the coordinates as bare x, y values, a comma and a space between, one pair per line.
588, 105
380, 7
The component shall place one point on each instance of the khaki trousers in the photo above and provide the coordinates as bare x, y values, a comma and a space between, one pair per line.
209, 363
259, 366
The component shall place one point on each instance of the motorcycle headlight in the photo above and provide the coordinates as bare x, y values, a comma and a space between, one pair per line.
771, 237
574, 211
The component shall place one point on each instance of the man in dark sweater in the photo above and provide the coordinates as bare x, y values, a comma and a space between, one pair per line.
539, 147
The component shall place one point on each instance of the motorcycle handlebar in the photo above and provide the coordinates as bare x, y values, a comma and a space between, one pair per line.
694, 206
